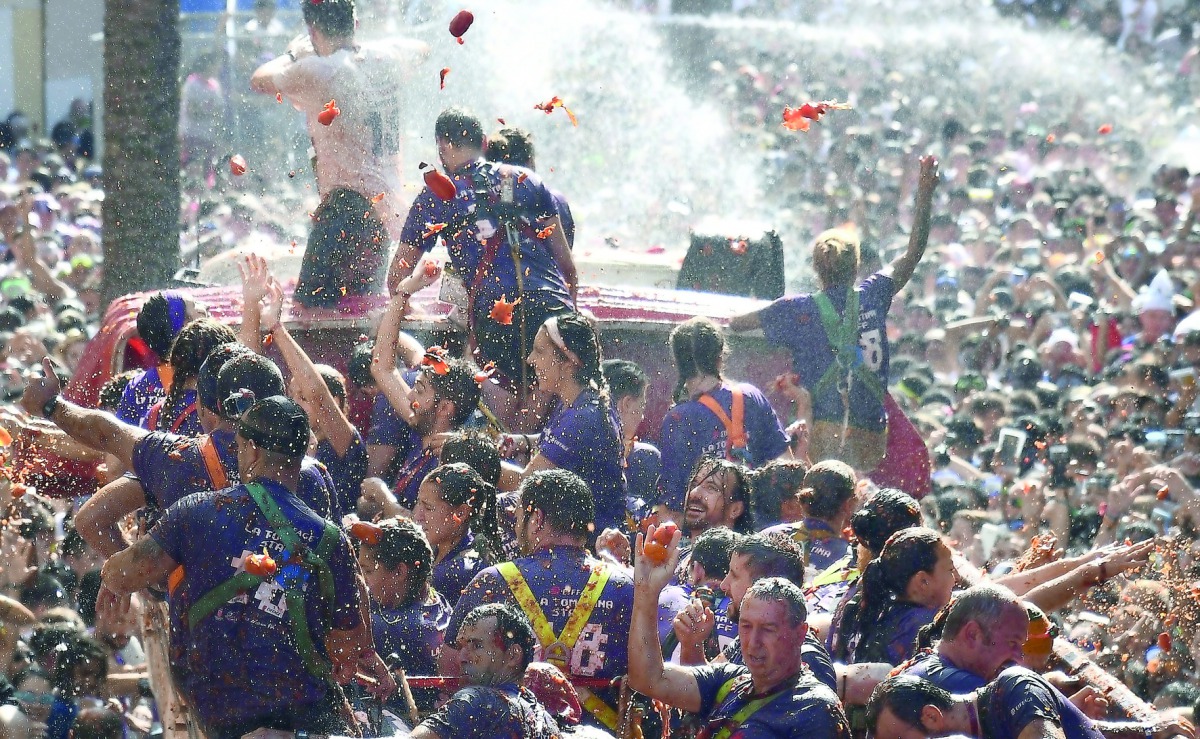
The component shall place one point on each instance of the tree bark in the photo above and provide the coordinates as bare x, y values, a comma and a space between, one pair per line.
141, 154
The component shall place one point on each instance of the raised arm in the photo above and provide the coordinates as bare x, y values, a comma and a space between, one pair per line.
407, 256
255, 281
672, 684
383, 358
263, 79
903, 267
93, 428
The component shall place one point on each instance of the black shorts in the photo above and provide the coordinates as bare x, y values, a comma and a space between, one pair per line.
508, 346
345, 253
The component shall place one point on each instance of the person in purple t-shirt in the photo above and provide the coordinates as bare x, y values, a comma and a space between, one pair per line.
505, 240
583, 434
408, 617
176, 412
456, 509
554, 521
902, 590
828, 496
627, 385
159, 321
838, 337
240, 659
515, 146
705, 420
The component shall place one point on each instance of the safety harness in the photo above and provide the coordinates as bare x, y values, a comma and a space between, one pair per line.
842, 335
156, 411
746, 711
300, 563
557, 649
736, 446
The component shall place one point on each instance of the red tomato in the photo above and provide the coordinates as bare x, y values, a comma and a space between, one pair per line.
655, 552
237, 165
663, 534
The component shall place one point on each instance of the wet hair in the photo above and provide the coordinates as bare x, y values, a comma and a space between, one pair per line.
252, 372
511, 627
835, 257
883, 514
277, 425
98, 723
459, 127
581, 338
156, 326
193, 345
334, 381
333, 18
207, 393
698, 347
358, 370
625, 378
44, 590
458, 386
779, 590
459, 483
511, 146
883, 585
827, 487
984, 604
111, 392
906, 697
742, 490
772, 555
476, 450
774, 483
712, 550
81, 649
402, 542
563, 498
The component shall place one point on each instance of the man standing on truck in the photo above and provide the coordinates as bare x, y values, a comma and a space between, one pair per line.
350, 96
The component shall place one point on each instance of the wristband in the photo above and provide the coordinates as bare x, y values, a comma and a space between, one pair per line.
50, 406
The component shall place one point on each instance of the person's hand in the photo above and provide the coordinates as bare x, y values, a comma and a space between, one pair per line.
648, 574
694, 624
928, 178
383, 684
1174, 727
615, 544
425, 274
256, 278
1122, 559
40, 389
272, 307
300, 46
788, 385
375, 498
801, 436
111, 605
1091, 703
1120, 497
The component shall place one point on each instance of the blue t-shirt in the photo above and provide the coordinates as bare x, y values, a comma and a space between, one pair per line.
143, 391
347, 473
801, 707
241, 662
456, 570
171, 467
387, 427
583, 439
557, 576
504, 712
823, 547
181, 418
642, 469
470, 231
691, 431
418, 463
1018, 697
812, 653
409, 637
795, 323
892, 639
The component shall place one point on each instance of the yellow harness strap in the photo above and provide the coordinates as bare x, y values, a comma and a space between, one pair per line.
557, 649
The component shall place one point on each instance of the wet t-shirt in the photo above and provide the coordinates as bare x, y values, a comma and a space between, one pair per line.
409, 637
452, 574
504, 712
387, 427
557, 576
830, 588
471, 232
812, 653
795, 323
691, 431
945, 674
892, 639
1018, 697
241, 661
180, 418
143, 391
347, 473
585, 438
823, 547
361, 150
642, 469
170, 467
802, 707
418, 463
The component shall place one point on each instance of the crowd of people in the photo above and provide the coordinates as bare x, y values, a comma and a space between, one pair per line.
989, 441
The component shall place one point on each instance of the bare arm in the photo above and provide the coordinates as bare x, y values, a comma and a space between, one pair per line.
99, 518
747, 322
902, 269
138, 567
383, 357
263, 79
560, 250
512, 475
857, 682
1042, 729
407, 256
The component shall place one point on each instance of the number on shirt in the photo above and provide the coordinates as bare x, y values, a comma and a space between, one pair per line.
872, 349
587, 658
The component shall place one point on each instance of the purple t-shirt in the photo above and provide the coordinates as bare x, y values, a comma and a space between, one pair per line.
479, 231
691, 431
181, 418
503, 712
417, 464
143, 391
170, 467
823, 547
583, 439
795, 323
387, 427
892, 639
803, 707
642, 470
347, 473
409, 637
1018, 697
813, 654
456, 570
240, 662
557, 576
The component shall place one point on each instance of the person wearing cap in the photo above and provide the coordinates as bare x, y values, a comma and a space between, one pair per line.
268, 604
1155, 310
